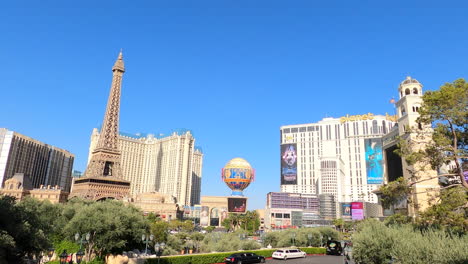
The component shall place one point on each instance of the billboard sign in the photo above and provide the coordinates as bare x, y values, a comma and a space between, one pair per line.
237, 205
224, 214
204, 216
289, 163
346, 210
357, 210
374, 160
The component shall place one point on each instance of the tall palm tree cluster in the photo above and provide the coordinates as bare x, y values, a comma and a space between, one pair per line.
250, 221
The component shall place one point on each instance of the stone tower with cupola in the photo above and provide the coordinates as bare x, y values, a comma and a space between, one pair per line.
420, 176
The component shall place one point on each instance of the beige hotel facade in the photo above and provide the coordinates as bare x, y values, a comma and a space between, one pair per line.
170, 165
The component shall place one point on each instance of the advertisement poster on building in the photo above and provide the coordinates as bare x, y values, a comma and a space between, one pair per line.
346, 210
237, 205
374, 160
357, 211
289, 164
214, 217
223, 214
204, 217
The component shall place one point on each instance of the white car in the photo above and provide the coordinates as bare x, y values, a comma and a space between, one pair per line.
288, 253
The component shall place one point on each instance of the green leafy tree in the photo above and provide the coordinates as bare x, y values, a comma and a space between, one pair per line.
232, 222
160, 230
187, 226
447, 110
250, 221
152, 217
113, 226
448, 212
197, 238
338, 223
48, 216
397, 219
394, 192
22, 231
209, 229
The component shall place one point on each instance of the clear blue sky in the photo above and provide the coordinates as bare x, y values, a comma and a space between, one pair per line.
231, 71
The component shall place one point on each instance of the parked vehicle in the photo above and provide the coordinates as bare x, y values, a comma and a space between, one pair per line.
334, 248
242, 258
288, 253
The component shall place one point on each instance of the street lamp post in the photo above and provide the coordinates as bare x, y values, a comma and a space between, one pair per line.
309, 236
50, 253
148, 239
159, 247
242, 236
216, 236
262, 236
321, 241
79, 256
83, 239
63, 257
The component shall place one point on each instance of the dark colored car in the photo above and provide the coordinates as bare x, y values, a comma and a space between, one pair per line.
242, 258
334, 248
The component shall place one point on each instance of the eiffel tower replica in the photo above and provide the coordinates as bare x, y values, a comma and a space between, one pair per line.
103, 176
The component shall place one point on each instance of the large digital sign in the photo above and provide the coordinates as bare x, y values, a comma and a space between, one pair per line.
357, 210
289, 164
237, 205
346, 210
374, 160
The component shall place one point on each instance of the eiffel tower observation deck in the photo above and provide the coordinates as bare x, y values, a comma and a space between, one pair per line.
103, 176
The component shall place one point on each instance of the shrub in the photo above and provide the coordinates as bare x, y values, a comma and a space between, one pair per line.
376, 243
69, 246
250, 245
373, 243
284, 238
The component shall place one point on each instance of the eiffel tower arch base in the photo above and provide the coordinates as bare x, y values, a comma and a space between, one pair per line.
100, 188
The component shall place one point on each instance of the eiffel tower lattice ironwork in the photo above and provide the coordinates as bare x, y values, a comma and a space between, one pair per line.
103, 176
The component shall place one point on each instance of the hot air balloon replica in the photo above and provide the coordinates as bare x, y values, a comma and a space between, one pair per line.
238, 174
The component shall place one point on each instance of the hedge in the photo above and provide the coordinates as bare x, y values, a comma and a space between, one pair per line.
313, 250
219, 257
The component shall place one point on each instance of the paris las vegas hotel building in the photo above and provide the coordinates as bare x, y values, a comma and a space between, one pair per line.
168, 164
351, 156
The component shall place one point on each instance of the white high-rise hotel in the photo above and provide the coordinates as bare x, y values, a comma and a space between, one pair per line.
169, 165
332, 155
